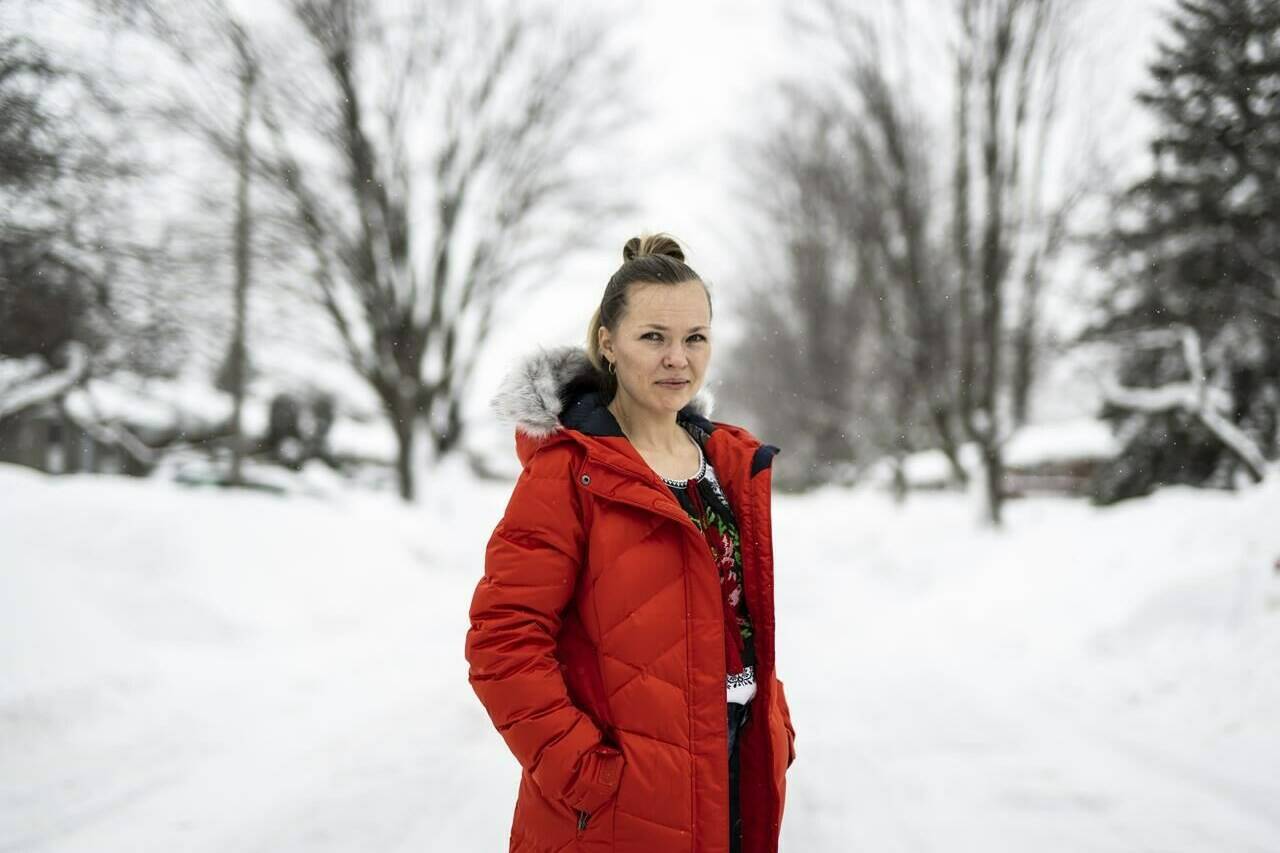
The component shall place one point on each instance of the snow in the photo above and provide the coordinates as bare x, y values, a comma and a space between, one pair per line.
190, 669
926, 469
158, 405
369, 438
1062, 441
17, 370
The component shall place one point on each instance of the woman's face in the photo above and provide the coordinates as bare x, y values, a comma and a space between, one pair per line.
665, 334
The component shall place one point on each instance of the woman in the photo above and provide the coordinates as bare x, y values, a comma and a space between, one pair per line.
622, 637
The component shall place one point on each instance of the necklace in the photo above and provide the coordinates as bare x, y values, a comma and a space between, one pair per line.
702, 459
702, 468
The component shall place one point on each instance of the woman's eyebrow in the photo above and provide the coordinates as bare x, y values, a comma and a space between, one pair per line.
662, 328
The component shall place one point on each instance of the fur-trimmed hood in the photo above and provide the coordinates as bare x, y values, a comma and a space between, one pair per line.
536, 394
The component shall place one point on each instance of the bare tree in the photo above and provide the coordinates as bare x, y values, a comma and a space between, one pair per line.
431, 190
957, 288
1008, 57
806, 299
237, 357
429, 160
894, 187
220, 54
852, 160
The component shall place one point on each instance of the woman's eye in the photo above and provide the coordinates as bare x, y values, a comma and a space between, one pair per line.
658, 336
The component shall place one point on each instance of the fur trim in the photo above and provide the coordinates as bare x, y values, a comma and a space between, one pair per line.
530, 397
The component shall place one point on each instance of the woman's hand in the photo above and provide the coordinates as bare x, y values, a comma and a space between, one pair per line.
597, 778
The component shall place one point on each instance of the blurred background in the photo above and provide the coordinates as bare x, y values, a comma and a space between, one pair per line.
1001, 278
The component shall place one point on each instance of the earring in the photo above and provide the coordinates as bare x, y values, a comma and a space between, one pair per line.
613, 369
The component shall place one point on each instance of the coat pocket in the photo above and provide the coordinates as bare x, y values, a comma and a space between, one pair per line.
596, 780
594, 791
594, 830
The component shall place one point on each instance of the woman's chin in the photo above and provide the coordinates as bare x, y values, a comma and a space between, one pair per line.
672, 399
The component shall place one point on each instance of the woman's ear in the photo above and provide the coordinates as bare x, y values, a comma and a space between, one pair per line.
604, 343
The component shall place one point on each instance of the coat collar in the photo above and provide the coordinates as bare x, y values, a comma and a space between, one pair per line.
558, 388
555, 395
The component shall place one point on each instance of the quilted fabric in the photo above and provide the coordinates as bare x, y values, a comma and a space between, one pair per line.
596, 639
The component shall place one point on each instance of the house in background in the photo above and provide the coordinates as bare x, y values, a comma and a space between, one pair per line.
132, 425
1058, 458
47, 439
110, 426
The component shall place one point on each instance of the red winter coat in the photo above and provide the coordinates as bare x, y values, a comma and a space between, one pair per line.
597, 633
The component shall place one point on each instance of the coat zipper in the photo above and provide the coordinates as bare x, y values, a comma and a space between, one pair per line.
682, 518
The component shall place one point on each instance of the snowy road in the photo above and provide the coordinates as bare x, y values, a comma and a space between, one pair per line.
197, 672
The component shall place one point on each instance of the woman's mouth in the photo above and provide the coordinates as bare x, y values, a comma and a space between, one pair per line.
674, 383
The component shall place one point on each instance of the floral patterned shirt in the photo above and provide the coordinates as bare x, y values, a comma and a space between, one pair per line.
708, 508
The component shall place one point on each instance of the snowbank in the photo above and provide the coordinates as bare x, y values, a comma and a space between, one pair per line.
209, 670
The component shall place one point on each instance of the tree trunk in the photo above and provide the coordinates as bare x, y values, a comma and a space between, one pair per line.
238, 356
404, 427
1023, 370
993, 476
946, 433
1024, 343
900, 485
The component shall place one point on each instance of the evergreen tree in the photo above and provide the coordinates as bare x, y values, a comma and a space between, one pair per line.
1197, 242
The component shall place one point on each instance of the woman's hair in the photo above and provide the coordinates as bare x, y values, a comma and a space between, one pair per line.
648, 259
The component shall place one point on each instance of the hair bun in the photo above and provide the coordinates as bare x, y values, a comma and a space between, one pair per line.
652, 244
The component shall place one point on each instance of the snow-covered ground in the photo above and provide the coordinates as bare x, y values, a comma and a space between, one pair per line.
194, 670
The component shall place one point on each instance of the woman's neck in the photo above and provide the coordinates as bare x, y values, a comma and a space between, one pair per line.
646, 430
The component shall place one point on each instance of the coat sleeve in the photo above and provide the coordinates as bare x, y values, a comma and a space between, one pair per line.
786, 720
531, 569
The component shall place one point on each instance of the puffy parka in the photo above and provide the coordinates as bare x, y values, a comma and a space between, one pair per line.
596, 639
